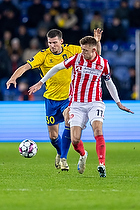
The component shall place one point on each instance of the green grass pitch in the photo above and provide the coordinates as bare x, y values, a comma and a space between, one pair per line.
35, 184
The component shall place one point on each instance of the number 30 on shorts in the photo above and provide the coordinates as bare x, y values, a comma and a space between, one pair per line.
50, 120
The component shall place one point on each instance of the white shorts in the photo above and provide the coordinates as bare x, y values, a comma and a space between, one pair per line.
80, 113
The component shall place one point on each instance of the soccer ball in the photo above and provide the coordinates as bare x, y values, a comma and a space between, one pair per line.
28, 148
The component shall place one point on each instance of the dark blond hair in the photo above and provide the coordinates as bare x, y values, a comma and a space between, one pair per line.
88, 40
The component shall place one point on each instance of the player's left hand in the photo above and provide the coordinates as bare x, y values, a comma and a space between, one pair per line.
98, 34
124, 108
35, 87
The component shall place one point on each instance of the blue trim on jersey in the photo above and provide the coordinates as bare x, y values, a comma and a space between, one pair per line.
54, 111
58, 53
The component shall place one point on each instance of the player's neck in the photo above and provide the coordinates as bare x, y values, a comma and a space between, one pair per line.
59, 51
94, 56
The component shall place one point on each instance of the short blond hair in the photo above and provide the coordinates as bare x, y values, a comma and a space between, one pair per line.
88, 40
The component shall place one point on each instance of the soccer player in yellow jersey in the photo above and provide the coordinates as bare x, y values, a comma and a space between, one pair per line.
57, 89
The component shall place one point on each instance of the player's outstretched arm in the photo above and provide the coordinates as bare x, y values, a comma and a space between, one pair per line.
124, 108
114, 94
49, 74
35, 87
17, 74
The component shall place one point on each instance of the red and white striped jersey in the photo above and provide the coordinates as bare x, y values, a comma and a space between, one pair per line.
86, 77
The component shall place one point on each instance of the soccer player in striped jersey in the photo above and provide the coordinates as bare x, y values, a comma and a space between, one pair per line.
57, 89
86, 98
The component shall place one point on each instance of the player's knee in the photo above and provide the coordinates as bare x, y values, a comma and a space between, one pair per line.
67, 124
97, 132
75, 140
53, 136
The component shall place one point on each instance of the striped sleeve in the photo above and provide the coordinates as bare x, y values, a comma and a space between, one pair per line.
70, 62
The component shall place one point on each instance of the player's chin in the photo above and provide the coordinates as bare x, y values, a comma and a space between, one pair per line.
54, 51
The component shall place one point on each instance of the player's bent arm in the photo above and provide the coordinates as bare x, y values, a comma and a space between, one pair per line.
48, 75
19, 72
114, 94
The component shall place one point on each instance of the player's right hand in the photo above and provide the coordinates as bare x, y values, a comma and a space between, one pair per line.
11, 81
35, 87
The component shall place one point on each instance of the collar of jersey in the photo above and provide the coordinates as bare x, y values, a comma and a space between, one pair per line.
58, 53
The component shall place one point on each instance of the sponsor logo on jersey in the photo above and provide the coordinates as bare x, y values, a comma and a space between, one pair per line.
78, 68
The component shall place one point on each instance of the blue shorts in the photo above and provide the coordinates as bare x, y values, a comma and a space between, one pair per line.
54, 111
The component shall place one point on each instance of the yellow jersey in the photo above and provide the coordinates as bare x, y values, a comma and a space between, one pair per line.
57, 87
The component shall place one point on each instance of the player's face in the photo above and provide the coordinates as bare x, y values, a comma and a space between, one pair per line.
55, 45
88, 51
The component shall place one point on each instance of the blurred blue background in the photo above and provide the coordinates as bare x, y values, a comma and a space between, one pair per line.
26, 120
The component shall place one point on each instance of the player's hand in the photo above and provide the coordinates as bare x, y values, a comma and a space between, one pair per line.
98, 34
35, 87
124, 108
11, 81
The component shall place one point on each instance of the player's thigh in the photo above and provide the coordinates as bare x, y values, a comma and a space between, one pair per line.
96, 113
54, 112
53, 131
78, 115
66, 116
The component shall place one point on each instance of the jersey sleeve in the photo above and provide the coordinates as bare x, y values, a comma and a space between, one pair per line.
74, 49
37, 60
106, 71
70, 62
77, 49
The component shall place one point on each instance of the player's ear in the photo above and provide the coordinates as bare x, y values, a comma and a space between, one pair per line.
62, 41
94, 49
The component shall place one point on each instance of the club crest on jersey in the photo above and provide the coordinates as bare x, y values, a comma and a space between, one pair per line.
65, 57
98, 66
31, 59
51, 60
